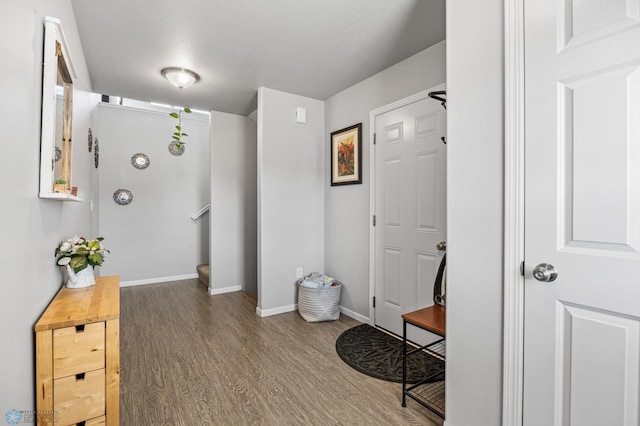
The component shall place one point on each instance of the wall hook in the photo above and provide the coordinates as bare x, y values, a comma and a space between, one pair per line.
438, 95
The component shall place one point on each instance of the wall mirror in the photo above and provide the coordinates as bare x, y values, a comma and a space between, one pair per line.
57, 114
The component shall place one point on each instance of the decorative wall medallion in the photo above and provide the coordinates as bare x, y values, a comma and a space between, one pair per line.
90, 139
58, 155
174, 149
140, 161
96, 154
122, 197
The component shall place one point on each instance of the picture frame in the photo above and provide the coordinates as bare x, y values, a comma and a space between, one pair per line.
346, 156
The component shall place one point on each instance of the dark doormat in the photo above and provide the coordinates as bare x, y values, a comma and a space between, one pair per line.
377, 354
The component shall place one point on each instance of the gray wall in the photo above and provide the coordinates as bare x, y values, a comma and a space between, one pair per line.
347, 207
290, 196
152, 239
31, 228
233, 203
475, 196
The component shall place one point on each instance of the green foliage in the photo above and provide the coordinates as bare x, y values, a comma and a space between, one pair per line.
96, 258
61, 180
177, 136
78, 263
79, 253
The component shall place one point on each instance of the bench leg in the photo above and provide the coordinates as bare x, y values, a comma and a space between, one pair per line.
404, 363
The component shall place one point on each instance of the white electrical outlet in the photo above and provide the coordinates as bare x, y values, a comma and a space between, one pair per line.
299, 272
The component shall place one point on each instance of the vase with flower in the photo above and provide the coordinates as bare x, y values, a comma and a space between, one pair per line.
78, 256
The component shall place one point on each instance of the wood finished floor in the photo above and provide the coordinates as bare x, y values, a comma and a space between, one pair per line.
188, 358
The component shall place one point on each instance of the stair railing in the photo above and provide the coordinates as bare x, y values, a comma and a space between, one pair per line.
200, 212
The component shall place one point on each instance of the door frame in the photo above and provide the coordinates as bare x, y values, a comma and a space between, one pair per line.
514, 192
424, 94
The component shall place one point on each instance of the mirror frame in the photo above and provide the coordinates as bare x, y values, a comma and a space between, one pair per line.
56, 60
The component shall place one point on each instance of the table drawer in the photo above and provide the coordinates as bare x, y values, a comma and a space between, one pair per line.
79, 398
78, 349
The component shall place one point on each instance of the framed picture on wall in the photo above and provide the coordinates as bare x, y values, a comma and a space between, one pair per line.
346, 156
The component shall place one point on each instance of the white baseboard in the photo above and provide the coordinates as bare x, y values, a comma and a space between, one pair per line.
356, 316
158, 280
283, 309
231, 289
275, 311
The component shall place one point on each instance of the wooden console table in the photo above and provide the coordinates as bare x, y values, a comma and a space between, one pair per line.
78, 356
430, 395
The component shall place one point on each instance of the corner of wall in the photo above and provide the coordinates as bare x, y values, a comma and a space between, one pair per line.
233, 202
290, 195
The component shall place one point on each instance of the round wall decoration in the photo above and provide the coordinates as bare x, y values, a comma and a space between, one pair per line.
90, 139
140, 161
122, 197
175, 149
96, 154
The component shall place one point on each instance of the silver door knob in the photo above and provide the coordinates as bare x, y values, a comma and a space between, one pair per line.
545, 272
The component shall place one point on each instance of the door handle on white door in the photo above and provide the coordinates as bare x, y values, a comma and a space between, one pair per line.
545, 272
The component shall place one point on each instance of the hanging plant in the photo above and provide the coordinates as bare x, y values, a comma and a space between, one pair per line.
179, 134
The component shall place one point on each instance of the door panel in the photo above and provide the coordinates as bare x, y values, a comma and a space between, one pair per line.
599, 136
582, 212
585, 21
393, 168
427, 170
393, 278
597, 354
410, 208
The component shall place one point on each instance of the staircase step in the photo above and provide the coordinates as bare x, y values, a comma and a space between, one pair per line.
203, 273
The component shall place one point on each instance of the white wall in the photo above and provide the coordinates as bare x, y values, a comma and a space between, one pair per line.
290, 196
233, 204
475, 212
152, 239
347, 207
31, 228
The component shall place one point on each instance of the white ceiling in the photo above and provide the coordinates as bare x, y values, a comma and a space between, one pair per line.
313, 48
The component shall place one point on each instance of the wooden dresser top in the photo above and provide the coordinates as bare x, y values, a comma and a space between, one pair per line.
76, 306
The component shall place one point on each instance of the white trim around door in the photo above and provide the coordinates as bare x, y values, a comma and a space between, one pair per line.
513, 344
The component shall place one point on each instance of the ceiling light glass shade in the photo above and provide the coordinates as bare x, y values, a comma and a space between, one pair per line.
180, 77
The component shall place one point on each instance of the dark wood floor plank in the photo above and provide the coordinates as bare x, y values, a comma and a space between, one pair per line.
188, 358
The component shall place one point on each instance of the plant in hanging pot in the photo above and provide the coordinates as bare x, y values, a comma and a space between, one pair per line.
177, 146
79, 256
60, 185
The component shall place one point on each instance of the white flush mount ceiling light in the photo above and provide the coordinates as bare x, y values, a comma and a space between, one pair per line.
180, 77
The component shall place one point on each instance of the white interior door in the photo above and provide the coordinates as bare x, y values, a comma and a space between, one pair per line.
410, 206
582, 212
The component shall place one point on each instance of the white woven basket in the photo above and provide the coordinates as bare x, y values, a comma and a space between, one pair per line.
319, 304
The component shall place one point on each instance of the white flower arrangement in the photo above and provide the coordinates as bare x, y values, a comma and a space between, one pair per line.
79, 253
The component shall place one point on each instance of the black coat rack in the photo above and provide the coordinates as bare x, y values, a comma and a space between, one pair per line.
439, 95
